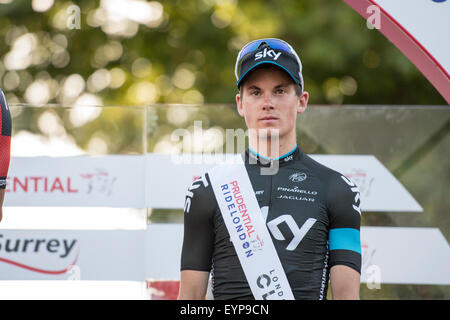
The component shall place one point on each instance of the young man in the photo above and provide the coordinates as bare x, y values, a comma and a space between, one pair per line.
311, 212
5, 142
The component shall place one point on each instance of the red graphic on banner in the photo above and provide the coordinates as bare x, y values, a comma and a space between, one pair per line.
38, 270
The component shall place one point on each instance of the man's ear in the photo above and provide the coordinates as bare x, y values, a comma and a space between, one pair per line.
240, 108
303, 102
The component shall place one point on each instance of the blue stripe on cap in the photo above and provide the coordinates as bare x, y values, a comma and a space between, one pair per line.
345, 239
262, 62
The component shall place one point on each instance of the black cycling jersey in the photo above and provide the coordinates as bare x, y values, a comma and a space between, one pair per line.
314, 211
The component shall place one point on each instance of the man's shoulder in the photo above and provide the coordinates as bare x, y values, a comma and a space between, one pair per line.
339, 188
321, 169
335, 182
201, 184
200, 193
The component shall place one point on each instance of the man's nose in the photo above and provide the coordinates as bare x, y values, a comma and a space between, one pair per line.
268, 102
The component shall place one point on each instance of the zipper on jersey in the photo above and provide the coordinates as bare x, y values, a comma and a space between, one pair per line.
270, 190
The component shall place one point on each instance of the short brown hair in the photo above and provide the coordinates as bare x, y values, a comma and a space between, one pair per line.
298, 88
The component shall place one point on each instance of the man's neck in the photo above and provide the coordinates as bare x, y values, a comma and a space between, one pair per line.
272, 148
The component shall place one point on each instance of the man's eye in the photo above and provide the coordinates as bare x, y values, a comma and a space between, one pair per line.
279, 91
255, 93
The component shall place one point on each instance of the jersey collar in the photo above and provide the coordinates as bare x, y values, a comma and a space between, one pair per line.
265, 161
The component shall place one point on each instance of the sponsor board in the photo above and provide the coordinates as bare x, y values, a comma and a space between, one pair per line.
84, 181
380, 190
72, 255
73, 290
404, 256
158, 181
389, 255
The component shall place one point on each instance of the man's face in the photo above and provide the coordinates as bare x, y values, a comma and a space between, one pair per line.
268, 101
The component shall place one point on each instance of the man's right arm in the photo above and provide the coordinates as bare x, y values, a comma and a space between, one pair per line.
2, 196
198, 241
193, 285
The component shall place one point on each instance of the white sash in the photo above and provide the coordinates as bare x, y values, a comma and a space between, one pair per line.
248, 232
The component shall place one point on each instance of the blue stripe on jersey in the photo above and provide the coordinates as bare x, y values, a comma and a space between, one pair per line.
345, 239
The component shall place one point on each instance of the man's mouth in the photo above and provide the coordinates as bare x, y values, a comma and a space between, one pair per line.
268, 118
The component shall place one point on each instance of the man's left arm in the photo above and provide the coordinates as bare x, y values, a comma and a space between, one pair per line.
344, 282
344, 209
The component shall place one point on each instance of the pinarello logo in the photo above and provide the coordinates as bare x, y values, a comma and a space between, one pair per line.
40, 255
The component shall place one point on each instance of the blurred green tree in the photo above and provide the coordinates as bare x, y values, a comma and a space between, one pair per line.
135, 53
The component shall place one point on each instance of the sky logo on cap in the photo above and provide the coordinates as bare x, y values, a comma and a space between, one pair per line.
267, 53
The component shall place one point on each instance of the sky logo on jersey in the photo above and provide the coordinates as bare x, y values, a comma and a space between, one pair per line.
267, 53
299, 233
355, 190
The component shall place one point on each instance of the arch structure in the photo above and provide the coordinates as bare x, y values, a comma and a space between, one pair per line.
419, 29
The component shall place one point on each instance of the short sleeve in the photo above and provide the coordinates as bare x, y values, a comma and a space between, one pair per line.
198, 240
344, 210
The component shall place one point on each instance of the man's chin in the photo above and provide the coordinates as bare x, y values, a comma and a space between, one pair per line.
266, 132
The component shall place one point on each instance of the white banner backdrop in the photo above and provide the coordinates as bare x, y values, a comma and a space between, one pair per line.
389, 255
161, 181
405, 255
163, 251
72, 255
84, 181
380, 190
73, 290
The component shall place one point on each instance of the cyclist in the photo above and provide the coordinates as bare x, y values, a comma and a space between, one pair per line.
311, 211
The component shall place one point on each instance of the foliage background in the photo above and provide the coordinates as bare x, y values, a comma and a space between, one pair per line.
184, 51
